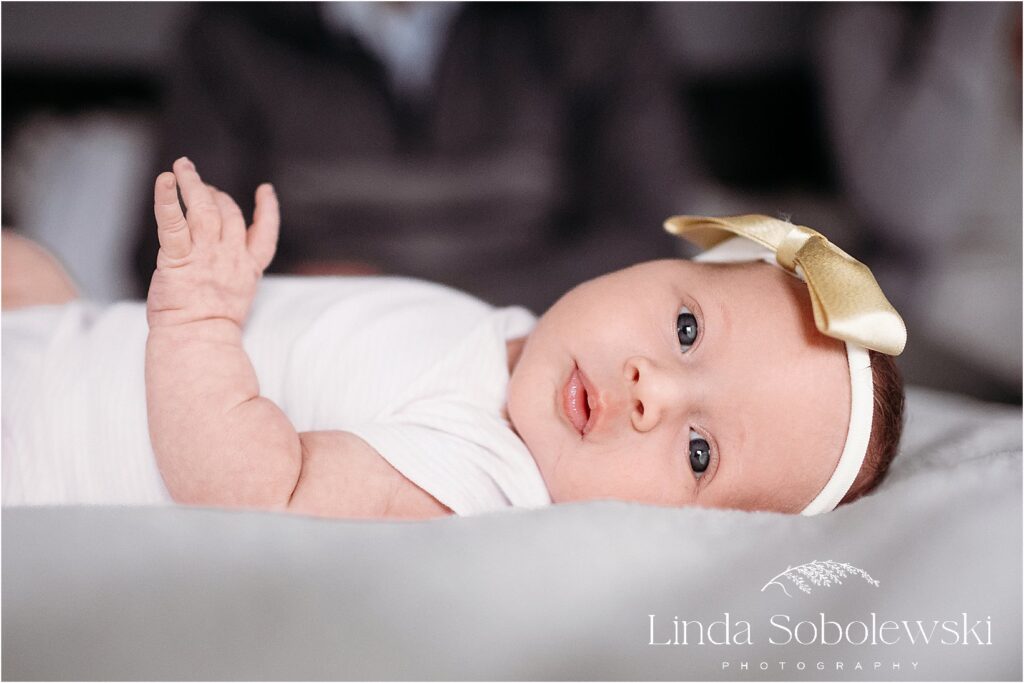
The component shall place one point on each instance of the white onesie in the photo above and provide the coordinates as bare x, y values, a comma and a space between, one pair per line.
417, 370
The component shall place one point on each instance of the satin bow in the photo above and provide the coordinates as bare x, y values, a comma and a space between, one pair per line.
848, 304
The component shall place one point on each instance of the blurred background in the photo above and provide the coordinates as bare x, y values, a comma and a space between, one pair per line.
515, 150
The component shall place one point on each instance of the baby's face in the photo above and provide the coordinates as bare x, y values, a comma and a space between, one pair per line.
681, 383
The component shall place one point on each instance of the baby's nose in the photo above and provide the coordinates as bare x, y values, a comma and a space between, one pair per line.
656, 393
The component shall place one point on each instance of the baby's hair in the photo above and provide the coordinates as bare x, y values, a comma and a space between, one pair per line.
886, 426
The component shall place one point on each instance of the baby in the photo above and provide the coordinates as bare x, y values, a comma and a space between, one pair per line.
671, 382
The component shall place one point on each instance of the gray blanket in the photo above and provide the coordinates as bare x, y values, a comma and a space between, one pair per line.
926, 572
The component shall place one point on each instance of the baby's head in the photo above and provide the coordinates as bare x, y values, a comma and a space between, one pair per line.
682, 383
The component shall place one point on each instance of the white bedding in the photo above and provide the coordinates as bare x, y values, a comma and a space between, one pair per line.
561, 593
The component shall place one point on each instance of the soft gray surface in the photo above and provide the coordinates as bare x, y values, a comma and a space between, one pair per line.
565, 593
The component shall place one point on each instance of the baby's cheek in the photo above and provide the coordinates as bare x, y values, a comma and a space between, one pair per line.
577, 471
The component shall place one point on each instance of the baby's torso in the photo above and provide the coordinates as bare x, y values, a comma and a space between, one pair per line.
333, 353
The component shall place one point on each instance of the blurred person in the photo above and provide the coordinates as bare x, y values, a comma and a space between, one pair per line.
453, 141
924, 107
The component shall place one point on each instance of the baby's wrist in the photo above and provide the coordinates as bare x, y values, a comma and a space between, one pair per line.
187, 317
214, 329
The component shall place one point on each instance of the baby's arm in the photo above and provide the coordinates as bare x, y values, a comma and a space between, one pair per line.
217, 441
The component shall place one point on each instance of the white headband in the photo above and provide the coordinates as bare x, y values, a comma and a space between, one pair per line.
862, 388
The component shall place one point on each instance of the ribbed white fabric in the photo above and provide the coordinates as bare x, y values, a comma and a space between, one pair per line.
417, 370
74, 407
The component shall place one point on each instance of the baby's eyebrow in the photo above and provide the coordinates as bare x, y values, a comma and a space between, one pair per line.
723, 321
735, 433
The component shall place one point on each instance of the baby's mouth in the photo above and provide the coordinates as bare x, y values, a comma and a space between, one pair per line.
574, 401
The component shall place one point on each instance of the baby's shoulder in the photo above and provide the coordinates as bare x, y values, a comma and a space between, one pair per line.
377, 295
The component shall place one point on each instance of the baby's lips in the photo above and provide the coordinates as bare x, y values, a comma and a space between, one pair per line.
595, 404
573, 398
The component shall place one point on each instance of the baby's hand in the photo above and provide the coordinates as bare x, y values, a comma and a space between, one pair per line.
208, 265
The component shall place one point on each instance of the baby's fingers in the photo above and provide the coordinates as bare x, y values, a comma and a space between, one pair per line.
203, 215
232, 221
171, 226
266, 222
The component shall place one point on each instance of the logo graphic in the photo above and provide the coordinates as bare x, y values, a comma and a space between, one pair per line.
823, 574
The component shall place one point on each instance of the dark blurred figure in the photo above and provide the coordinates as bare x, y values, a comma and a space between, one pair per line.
924, 102
507, 149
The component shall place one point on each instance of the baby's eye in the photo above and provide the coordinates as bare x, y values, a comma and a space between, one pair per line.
686, 328
700, 454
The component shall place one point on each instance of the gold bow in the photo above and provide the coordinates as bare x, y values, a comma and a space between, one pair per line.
847, 301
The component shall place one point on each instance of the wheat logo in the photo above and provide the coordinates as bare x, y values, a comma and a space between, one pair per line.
819, 573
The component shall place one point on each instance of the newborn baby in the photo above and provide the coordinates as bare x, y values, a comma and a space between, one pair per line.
671, 382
